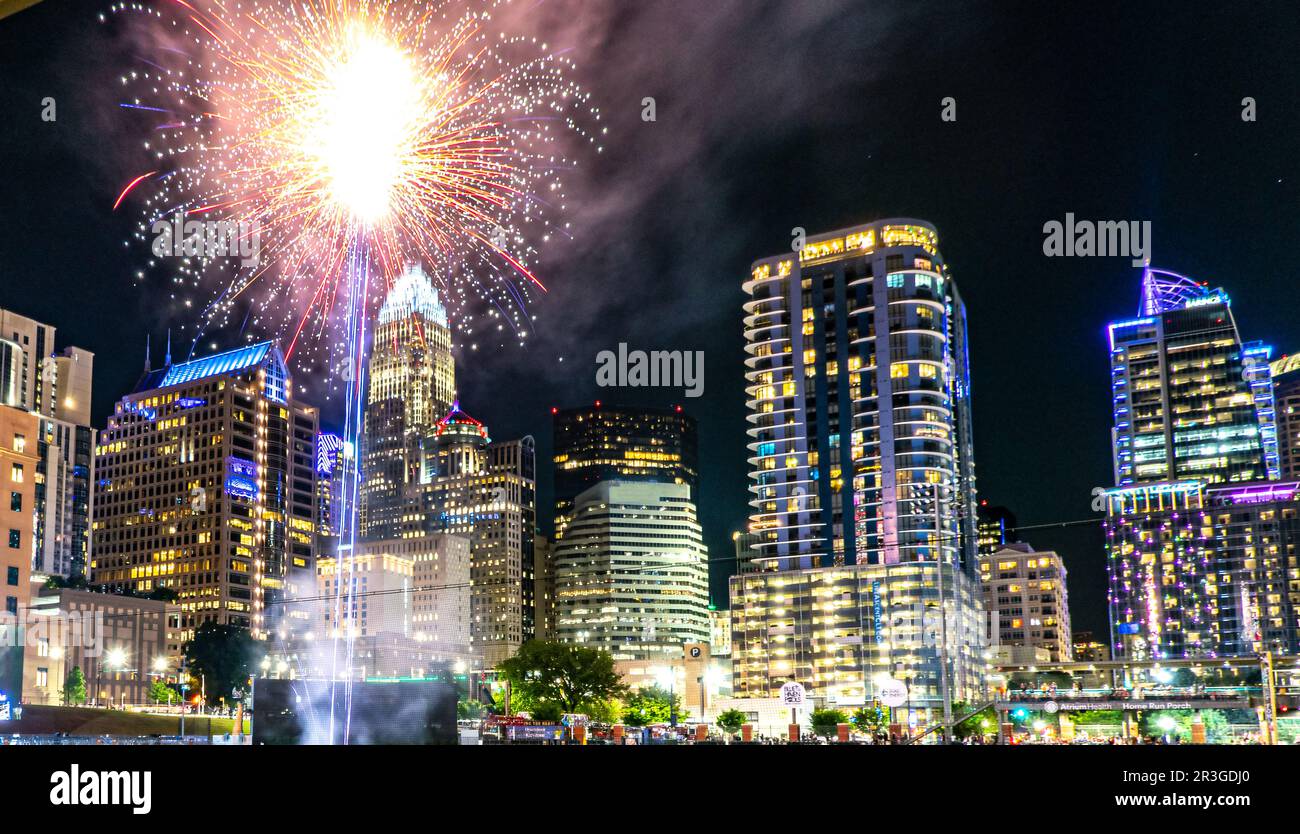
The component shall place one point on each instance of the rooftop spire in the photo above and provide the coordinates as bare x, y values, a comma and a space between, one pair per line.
147, 367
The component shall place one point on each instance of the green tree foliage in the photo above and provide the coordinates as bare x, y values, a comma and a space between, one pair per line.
825, 721
221, 658
160, 692
572, 677
982, 722
651, 705
74, 687
548, 711
731, 721
869, 720
606, 711
470, 709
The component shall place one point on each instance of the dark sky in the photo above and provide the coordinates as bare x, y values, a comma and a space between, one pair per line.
774, 115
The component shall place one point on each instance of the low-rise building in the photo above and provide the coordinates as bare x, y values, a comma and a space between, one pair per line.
1025, 599
121, 644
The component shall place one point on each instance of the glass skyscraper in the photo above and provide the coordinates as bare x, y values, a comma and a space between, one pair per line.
603, 442
859, 402
1191, 400
862, 474
1198, 528
411, 385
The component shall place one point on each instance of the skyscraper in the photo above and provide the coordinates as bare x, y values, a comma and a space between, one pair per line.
411, 384
485, 491
1190, 399
57, 387
1286, 397
605, 442
859, 387
632, 573
861, 470
207, 487
1196, 525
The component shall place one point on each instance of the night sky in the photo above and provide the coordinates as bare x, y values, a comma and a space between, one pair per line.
770, 116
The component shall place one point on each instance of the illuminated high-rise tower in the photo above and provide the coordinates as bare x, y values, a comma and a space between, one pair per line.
1191, 400
862, 474
1197, 526
412, 384
207, 487
859, 402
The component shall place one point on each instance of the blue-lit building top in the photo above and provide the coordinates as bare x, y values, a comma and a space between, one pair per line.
1190, 399
263, 355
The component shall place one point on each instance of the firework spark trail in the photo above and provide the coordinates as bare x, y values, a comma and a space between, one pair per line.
356, 137
421, 124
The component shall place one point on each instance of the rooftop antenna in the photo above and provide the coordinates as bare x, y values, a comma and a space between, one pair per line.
168, 361
147, 367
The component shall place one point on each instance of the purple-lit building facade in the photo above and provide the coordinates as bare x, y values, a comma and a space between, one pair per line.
1204, 571
1198, 526
1191, 400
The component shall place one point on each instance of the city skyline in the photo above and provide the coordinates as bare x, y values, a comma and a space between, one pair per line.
1046, 143
493, 372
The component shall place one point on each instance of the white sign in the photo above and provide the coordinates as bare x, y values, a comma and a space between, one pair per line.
792, 694
892, 693
1051, 707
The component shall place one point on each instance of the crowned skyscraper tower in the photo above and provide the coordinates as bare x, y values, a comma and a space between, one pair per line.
412, 385
1191, 399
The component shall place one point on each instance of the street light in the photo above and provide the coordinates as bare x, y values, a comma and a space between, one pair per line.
114, 661
667, 672
1167, 724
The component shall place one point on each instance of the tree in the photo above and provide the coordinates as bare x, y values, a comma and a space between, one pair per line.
825, 722
868, 721
977, 724
74, 687
160, 692
548, 711
731, 721
651, 705
1217, 728
572, 677
605, 712
221, 657
470, 709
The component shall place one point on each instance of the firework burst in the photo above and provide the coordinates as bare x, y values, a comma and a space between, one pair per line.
332, 132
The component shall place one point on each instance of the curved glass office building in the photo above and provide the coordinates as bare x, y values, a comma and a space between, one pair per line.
861, 473
859, 402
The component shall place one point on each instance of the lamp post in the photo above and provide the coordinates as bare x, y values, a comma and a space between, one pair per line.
668, 672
